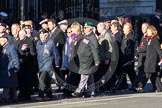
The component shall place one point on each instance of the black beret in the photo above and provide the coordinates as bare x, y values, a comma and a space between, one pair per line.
43, 31
3, 24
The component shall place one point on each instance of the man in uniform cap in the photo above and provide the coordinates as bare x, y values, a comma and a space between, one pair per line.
47, 54
63, 25
43, 32
44, 24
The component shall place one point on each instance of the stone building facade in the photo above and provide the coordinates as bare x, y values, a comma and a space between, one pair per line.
111, 8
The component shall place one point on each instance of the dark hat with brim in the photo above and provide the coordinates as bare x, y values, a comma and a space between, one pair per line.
3, 24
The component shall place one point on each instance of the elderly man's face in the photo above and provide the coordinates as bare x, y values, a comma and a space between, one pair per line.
100, 28
43, 37
15, 30
87, 30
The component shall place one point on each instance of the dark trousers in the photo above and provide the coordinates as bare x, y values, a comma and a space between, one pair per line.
140, 79
59, 76
100, 73
25, 84
73, 80
140, 74
122, 79
45, 84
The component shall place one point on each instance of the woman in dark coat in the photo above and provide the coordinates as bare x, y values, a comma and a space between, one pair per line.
153, 56
8, 68
126, 57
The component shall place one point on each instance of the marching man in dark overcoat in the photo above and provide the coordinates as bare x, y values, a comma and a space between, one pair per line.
88, 61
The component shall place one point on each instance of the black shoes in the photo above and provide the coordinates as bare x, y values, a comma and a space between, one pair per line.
47, 98
88, 96
76, 94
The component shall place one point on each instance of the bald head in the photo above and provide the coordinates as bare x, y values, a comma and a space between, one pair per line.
15, 28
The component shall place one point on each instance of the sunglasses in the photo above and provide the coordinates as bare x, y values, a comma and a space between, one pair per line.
69, 32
